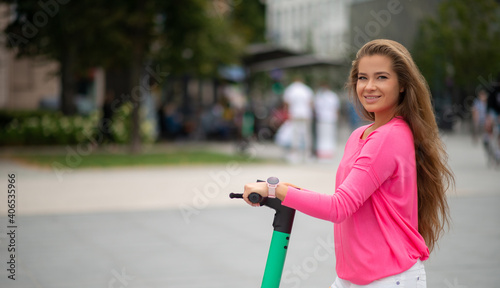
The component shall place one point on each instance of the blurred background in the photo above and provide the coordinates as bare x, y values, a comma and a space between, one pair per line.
128, 122
133, 72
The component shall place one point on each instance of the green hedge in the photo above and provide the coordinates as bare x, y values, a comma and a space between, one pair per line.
45, 128
53, 128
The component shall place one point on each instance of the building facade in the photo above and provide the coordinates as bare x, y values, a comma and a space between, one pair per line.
31, 83
24, 82
336, 29
398, 20
319, 27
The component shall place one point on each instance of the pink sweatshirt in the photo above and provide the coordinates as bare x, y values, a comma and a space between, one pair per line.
374, 206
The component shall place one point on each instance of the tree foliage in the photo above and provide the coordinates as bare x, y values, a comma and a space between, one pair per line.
190, 37
460, 46
248, 18
61, 31
195, 38
183, 36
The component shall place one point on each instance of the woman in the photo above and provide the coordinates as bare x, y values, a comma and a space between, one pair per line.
389, 205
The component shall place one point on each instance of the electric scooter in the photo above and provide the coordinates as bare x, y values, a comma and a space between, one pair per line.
282, 224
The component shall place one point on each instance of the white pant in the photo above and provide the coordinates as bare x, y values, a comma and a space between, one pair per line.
301, 139
411, 278
325, 139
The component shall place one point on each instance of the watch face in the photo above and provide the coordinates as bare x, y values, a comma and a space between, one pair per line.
273, 180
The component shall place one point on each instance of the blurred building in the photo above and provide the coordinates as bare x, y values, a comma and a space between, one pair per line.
397, 20
336, 29
24, 82
33, 82
319, 27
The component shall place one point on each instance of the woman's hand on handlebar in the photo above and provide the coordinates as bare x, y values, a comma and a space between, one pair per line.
262, 190
258, 187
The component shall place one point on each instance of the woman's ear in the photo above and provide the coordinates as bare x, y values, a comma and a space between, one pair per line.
402, 89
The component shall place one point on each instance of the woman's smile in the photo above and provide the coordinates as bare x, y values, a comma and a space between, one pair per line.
371, 99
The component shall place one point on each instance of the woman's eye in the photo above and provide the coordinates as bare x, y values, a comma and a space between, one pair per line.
361, 78
382, 77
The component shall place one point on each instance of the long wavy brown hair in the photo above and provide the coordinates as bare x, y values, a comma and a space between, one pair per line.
434, 177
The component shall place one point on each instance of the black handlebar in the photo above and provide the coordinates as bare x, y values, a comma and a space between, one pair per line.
283, 219
253, 197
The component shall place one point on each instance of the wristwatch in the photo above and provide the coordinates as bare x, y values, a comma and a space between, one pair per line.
272, 183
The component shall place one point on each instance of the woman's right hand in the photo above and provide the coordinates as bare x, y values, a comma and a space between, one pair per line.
262, 190
256, 187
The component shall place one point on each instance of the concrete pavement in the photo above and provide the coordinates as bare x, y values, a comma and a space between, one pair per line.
176, 227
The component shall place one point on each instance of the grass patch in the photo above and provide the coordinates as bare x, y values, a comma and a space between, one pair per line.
127, 160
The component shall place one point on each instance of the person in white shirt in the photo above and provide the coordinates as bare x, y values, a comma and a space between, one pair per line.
299, 100
326, 107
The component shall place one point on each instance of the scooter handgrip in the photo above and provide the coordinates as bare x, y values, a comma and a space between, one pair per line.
255, 197
235, 195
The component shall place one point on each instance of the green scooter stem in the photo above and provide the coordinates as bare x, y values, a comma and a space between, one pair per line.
275, 260
282, 224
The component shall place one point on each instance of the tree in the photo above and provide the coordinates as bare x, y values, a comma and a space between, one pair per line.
138, 23
195, 38
60, 30
184, 38
458, 48
248, 19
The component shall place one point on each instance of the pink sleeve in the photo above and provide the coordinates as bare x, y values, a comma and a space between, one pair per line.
376, 162
339, 206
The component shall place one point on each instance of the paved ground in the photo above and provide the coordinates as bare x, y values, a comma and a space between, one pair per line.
175, 226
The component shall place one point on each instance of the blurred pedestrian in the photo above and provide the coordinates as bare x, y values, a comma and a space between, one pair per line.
494, 100
355, 120
173, 120
281, 125
326, 107
107, 118
389, 206
479, 115
299, 100
493, 124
